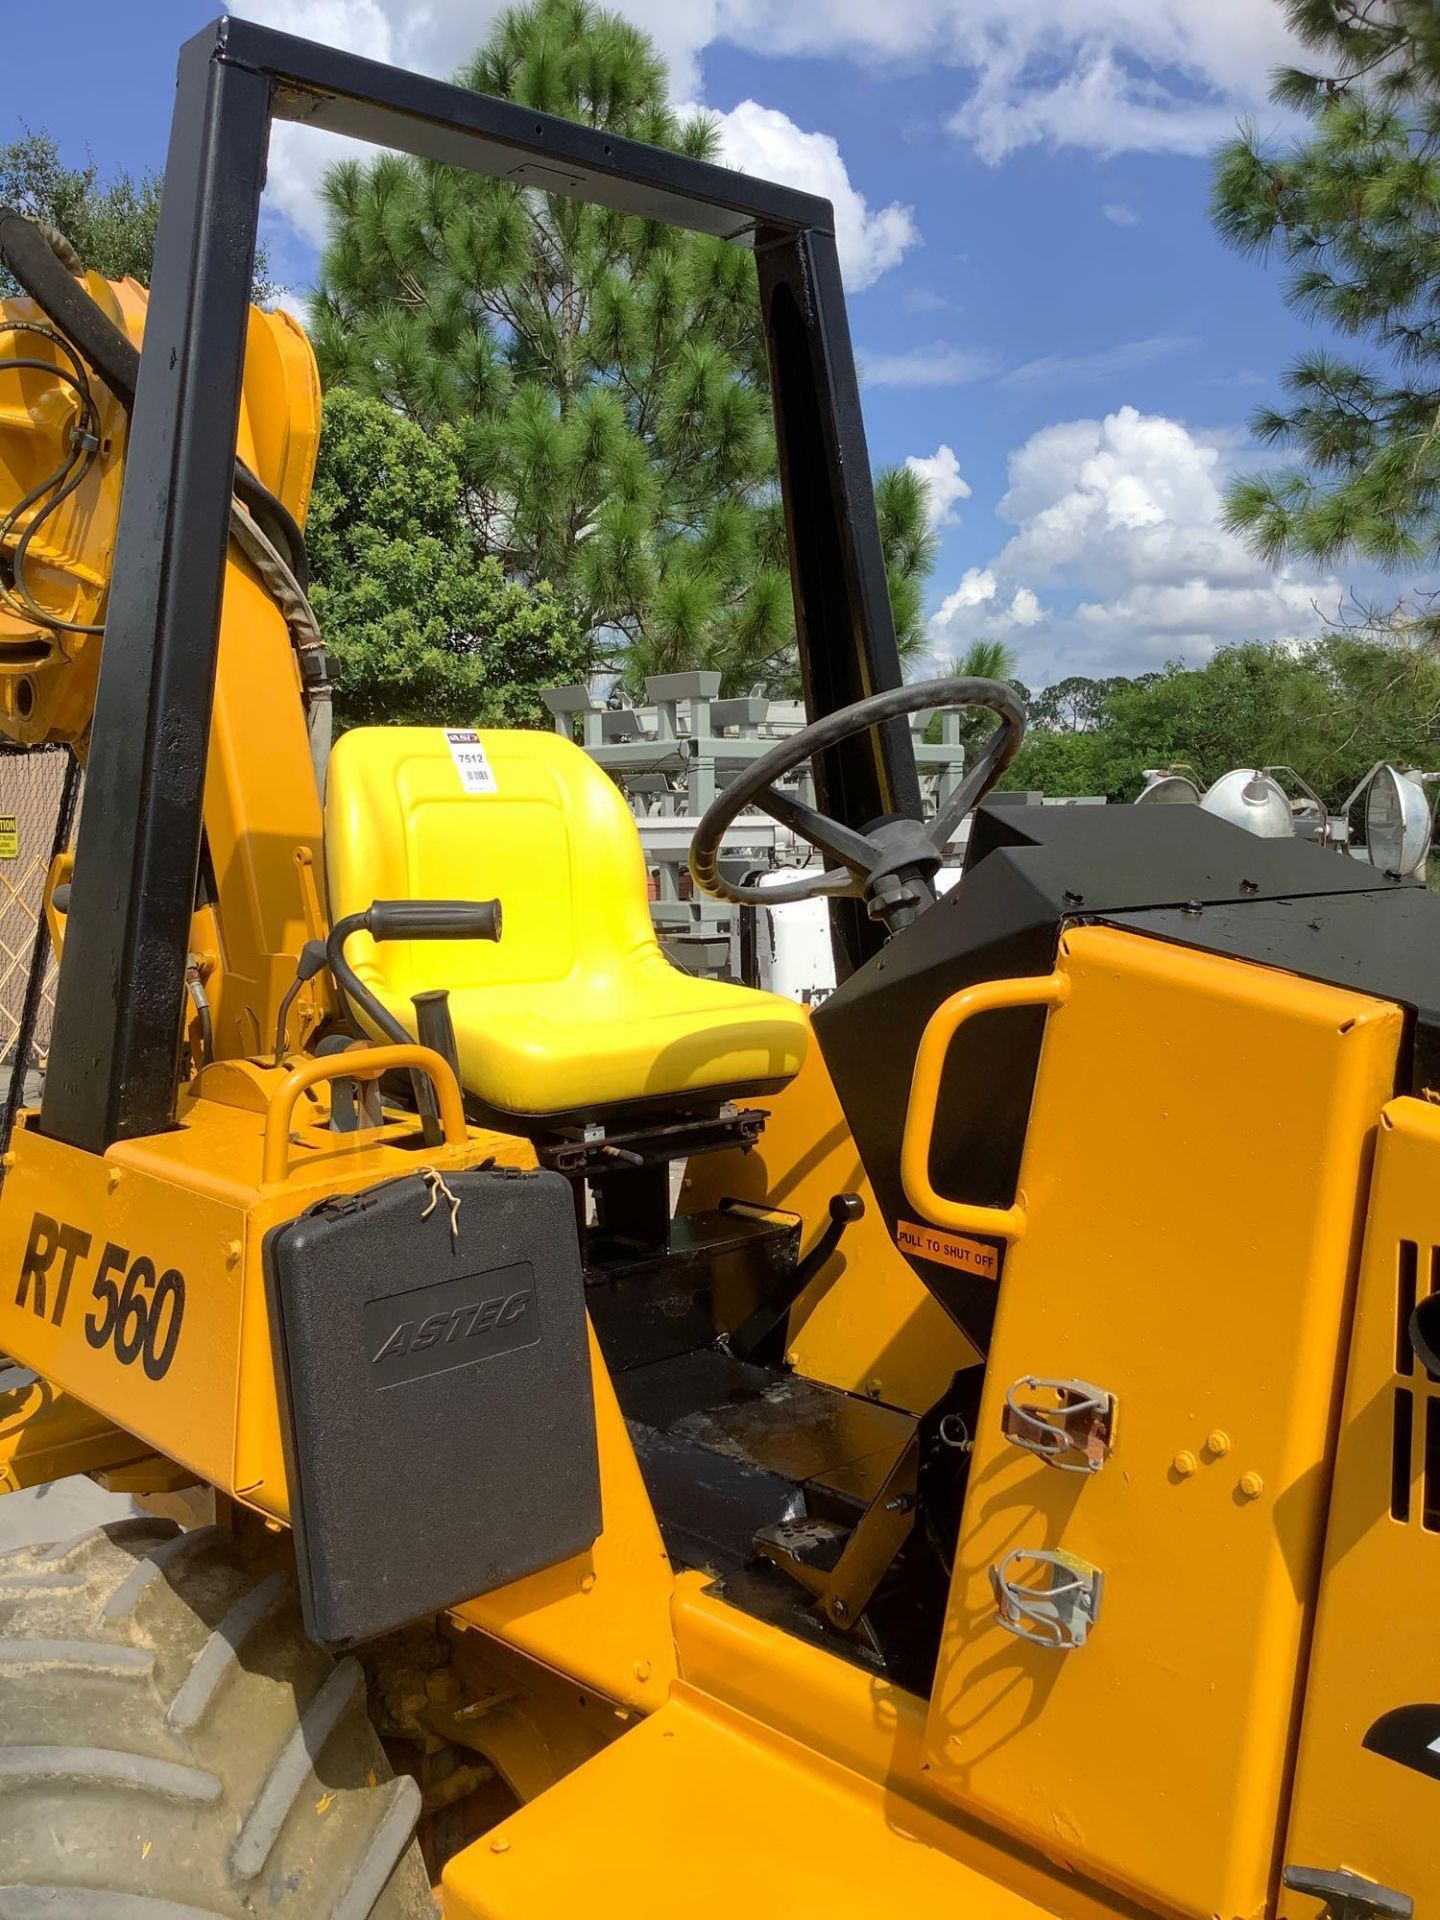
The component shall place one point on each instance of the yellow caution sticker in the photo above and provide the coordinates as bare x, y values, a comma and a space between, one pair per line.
9, 837
950, 1249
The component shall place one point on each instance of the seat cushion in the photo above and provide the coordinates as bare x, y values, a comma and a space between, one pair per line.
596, 1041
577, 1009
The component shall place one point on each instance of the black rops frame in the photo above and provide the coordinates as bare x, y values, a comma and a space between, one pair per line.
114, 1060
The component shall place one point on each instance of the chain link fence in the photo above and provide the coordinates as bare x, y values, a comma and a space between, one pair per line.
39, 804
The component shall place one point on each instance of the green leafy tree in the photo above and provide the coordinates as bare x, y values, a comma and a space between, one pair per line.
1073, 705
110, 223
421, 624
604, 374
1330, 708
1062, 761
1353, 210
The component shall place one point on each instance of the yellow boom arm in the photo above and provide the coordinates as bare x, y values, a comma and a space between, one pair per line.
62, 459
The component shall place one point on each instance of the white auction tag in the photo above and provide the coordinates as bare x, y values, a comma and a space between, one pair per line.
471, 762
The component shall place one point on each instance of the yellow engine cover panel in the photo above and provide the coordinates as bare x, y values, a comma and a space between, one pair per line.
1367, 1789
1197, 1157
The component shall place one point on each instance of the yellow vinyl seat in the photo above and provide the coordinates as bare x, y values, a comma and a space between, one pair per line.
575, 1011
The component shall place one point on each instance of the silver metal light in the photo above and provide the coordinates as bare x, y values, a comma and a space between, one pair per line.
1398, 825
1166, 787
1248, 797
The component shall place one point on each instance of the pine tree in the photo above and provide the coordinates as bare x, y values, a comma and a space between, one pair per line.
985, 660
604, 374
981, 660
1354, 211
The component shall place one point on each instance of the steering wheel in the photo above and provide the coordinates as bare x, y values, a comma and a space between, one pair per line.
890, 865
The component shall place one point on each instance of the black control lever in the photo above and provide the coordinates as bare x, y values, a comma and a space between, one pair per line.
312, 959
753, 1332
426, 920
408, 920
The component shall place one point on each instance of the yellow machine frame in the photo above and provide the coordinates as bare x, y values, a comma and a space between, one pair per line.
1150, 1669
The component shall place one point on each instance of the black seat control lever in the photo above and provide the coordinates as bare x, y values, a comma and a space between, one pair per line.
410, 920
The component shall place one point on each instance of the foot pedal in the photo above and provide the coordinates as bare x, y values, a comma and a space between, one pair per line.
804, 1548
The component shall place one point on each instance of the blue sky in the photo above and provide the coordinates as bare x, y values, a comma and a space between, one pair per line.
1041, 310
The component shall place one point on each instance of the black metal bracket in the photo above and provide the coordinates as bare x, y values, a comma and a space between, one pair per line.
594, 1151
116, 1050
1349, 1896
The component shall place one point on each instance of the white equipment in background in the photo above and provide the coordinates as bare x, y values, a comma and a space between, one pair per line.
793, 954
671, 757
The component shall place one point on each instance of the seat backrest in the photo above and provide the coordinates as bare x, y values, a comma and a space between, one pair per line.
552, 838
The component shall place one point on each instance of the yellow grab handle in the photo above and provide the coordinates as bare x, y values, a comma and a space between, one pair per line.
360, 1063
62, 871
990, 996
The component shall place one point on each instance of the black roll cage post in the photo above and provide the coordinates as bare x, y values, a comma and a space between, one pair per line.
114, 1059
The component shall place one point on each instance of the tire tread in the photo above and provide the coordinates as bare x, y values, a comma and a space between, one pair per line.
152, 1684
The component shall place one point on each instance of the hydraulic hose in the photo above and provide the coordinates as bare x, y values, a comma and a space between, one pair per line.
49, 270
31, 256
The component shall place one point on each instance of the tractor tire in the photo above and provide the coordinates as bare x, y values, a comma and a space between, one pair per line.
172, 1747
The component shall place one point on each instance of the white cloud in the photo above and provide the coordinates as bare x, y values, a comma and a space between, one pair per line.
1119, 214
766, 142
1154, 76
932, 366
976, 589
1025, 608
941, 473
1073, 367
1097, 105
977, 607
1120, 517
